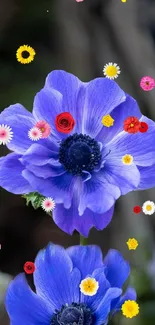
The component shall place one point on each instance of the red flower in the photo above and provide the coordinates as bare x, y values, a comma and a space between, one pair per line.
64, 122
143, 127
137, 209
29, 267
131, 124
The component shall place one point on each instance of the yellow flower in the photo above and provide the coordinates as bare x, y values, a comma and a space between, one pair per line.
111, 70
89, 286
132, 243
123, 0
107, 121
25, 54
127, 159
130, 308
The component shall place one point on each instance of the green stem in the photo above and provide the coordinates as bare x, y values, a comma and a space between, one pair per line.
83, 241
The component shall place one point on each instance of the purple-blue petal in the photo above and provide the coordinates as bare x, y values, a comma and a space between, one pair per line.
20, 121
102, 95
104, 307
69, 220
39, 155
72, 91
151, 124
117, 270
126, 109
55, 279
130, 294
98, 194
86, 258
11, 178
47, 105
59, 188
140, 145
24, 306
147, 177
60, 94
46, 171
94, 301
115, 172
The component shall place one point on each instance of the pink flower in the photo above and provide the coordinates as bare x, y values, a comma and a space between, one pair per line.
147, 83
6, 134
48, 204
79, 0
44, 127
34, 134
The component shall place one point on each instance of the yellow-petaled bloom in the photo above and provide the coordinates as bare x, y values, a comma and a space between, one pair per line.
89, 286
123, 0
107, 121
132, 243
127, 160
25, 54
111, 70
130, 308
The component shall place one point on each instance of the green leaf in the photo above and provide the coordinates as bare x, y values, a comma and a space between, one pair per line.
34, 198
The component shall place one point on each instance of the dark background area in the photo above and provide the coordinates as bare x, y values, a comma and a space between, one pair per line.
80, 38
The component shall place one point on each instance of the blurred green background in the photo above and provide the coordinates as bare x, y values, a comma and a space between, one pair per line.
80, 38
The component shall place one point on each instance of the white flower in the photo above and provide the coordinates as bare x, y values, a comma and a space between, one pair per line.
48, 204
148, 207
111, 70
35, 134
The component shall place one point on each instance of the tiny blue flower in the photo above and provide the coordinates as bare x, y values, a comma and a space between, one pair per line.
58, 299
84, 160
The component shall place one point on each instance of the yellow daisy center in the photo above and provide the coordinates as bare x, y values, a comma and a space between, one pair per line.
130, 308
111, 71
131, 125
148, 207
127, 159
107, 121
89, 286
132, 243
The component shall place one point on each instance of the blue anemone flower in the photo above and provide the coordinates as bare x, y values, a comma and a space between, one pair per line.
58, 299
83, 170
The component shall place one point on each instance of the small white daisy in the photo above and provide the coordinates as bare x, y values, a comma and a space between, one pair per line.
148, 207
6, 134
48, 204
35, 134
111, 70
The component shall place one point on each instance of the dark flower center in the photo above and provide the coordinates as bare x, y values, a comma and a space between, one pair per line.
29, 267
79, 152
64, 122
75, 314
25, 54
